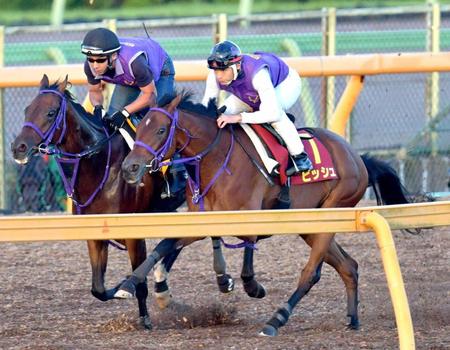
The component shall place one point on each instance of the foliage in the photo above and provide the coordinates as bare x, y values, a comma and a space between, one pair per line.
39, 11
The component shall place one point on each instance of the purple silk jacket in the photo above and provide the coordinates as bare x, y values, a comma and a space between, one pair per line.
132, 48
250, 64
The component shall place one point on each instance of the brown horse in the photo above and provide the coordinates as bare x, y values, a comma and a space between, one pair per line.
224, 178
90, 165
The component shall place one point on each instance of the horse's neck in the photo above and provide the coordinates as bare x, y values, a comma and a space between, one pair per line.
203, 131
204, 139
79, 134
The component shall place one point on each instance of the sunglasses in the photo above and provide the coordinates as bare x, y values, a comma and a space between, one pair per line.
98, 60
218, 63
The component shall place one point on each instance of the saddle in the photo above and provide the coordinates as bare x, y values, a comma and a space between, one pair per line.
274, 148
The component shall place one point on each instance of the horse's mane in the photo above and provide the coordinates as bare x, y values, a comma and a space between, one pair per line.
188, 105
67, 93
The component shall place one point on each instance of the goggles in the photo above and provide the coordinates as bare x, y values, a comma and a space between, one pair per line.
98, 60
215, 62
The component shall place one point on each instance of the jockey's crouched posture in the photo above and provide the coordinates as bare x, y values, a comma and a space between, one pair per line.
141, 70
262, 87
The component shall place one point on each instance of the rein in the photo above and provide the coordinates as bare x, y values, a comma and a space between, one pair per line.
62, 157
194, 184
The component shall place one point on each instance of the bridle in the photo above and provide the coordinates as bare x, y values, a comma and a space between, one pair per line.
157, 162
63, 157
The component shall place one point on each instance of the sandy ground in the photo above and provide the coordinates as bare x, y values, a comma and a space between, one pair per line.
46, 301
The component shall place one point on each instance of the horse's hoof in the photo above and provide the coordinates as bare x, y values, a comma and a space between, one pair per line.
353, 325
225, 283
258, 293
163, 299
145, 322
269, 331
127, 290
100, 296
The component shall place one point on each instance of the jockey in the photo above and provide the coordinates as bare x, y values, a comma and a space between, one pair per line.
139, 67
262, 87
141, 70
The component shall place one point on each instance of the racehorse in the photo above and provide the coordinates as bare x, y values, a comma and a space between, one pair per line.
222, 177
90, 165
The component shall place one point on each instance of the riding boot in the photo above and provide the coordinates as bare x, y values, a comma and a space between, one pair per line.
175, 179
300, 163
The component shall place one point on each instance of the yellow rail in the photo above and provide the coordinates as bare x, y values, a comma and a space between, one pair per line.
307, 66
245, 223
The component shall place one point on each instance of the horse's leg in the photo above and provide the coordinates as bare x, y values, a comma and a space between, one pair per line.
347, 268
309, 277
224, 280
98, 256
162, 292
128, 288
137, 251
252, 287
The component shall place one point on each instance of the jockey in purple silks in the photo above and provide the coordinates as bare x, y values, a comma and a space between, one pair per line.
261, 87
142, 72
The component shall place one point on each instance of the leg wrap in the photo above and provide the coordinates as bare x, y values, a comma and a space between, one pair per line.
142, 271
161, 286
280, 317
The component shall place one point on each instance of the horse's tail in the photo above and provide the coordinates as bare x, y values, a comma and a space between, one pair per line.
385, 182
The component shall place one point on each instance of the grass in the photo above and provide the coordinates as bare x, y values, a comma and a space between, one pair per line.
188, 9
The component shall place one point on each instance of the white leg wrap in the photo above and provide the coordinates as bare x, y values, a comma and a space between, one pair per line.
160, 273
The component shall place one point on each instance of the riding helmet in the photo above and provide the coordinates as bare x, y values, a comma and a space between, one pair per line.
223, 55
100, 41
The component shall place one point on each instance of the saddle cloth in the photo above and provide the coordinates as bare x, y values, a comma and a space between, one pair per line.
323, 167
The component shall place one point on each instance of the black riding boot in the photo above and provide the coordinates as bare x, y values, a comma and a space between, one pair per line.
300, 163
176, 180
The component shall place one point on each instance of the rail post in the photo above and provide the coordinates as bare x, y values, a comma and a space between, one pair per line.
432, 87
2, 127
394, 277
328, 49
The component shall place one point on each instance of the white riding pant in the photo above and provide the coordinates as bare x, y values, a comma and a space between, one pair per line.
287, 93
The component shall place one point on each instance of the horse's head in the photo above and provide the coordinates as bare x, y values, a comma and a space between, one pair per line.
154, 141
41, 119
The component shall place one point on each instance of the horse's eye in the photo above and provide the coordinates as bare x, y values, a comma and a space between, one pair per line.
51, 113
161, 131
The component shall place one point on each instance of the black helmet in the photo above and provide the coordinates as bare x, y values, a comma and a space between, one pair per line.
100, 41
223, 55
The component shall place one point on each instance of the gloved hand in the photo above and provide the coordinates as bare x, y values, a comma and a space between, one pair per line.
221, 110
99, 112
117, 119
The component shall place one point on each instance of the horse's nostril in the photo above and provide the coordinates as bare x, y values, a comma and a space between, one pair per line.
134, 168
22, 148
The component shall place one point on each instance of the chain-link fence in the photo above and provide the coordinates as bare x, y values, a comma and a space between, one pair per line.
392, 117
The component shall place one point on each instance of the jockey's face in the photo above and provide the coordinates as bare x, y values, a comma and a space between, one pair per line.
98, 63
224, 76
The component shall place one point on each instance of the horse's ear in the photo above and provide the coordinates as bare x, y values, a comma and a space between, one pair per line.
174, 103
63, 85
44, 82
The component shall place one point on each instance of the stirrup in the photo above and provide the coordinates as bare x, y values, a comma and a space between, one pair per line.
300, 163
165, 193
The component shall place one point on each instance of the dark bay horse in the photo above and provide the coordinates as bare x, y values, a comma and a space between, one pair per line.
224, 178
90, 161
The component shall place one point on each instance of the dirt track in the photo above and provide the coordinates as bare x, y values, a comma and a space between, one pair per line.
46, 301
